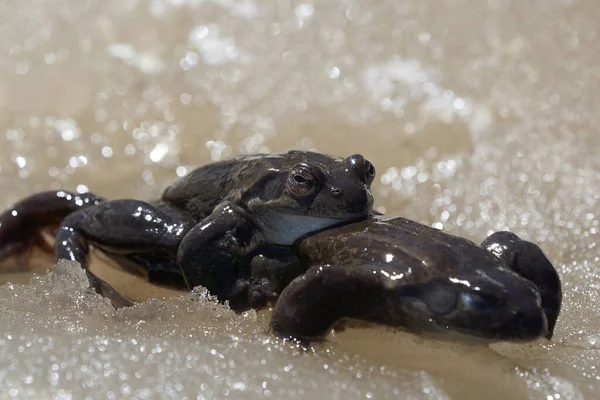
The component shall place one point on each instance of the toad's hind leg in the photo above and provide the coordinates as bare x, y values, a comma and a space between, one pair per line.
21, 226
119, 227
528, 260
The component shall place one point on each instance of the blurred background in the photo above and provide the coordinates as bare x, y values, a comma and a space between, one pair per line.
478, 115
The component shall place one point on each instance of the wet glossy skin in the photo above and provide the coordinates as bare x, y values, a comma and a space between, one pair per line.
394, 271
206, 226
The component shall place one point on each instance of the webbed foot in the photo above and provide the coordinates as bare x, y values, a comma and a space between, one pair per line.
103, 288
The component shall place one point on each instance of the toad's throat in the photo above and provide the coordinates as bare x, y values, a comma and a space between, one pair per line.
284, 229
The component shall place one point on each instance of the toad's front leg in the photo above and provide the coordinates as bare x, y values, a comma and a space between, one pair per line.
528, 260
216, 254
313, 302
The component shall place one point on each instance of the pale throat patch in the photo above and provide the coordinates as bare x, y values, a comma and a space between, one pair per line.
284, 229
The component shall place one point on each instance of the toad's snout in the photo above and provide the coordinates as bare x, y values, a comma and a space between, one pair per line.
361, 167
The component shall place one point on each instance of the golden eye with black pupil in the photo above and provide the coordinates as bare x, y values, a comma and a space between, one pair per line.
301, 180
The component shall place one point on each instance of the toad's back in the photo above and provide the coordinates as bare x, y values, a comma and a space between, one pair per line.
205, 187
414, 249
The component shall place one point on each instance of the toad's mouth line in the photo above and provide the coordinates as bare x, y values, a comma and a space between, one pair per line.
345, 217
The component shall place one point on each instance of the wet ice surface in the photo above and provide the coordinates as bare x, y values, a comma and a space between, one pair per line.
78, 345
479, 116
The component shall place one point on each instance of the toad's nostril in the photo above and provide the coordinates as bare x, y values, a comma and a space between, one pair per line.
336, 191
370, 171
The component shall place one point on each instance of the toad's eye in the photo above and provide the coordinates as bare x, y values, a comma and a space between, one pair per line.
301, 181
440, 298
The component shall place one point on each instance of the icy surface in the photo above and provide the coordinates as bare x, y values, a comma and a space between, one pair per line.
478, 116
77, 345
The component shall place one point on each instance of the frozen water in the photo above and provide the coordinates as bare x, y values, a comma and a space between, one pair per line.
479, 116
60, 339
